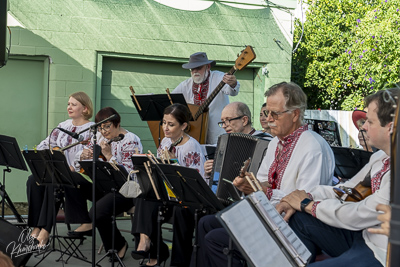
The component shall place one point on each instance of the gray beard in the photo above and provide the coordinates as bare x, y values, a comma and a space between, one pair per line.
200, 79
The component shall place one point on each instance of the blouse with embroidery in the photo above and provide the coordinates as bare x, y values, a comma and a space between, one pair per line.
61, 139
121, 150
189, 154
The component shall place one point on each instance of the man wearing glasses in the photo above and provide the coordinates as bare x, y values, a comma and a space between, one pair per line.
236, 118
202, 83
297, 158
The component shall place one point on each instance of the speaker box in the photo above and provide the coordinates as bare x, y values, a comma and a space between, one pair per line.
3, 32
14, 243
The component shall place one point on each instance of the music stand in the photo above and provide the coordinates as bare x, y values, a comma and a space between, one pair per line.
10, 156
254, 222
109, 178
349, 161
190, 190
50, 167
151, 109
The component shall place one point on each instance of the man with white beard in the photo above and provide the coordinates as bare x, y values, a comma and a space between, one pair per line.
202, 83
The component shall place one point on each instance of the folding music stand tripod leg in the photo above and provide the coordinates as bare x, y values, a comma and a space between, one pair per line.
50, 168
10, 156
113, 253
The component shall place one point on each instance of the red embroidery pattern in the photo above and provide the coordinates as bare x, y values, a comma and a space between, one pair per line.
377, 178
200, 91
278, 167
192, 158
314, 209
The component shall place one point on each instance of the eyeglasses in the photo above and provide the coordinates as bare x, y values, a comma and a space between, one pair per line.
227, 122
106, 128
274, 114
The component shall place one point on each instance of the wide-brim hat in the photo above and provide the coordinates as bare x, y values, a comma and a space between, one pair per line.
198, 59
358, 115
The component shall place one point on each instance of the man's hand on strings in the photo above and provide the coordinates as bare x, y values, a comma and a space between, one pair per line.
243, 185
230, 79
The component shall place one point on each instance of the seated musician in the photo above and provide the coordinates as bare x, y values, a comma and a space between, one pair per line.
189, 154
236, 118
40, 198
339, 228
263, 119
202, 83
359, 117
118, 152
296, 158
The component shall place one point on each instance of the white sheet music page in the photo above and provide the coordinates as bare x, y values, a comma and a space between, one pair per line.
285, 234
251, 235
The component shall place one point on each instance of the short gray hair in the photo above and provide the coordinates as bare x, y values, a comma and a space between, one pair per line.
294, 95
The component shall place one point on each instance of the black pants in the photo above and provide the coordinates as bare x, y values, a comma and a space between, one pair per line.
104, 213
145, 221
42, 204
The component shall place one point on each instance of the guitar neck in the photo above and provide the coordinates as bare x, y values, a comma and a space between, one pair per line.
208, 101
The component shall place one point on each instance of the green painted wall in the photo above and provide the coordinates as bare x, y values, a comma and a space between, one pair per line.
81, 38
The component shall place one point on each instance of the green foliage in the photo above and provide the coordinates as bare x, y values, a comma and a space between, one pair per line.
349, 50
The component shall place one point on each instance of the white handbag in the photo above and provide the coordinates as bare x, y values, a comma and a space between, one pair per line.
131, 188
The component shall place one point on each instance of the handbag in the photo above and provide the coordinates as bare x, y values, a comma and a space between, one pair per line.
131, 188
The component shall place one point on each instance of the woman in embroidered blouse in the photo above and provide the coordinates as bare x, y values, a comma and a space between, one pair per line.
40, 200
189, 154
115, 151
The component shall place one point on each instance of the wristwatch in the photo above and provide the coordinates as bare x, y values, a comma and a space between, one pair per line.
304, 204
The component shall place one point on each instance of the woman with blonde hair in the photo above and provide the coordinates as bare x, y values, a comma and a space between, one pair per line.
40, 198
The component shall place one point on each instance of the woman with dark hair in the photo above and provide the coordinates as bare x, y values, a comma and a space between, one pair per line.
41, 198
189, 154
118, 152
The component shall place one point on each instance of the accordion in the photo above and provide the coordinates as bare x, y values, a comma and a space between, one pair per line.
232, 150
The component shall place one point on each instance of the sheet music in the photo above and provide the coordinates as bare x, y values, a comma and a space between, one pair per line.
252, 237
289, 239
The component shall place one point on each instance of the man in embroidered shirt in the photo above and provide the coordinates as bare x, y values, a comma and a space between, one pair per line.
202, 83
340, 228
296, 159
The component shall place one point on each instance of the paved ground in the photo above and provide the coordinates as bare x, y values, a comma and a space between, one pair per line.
86, 248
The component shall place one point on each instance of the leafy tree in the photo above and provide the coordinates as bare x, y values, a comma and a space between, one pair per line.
349, 50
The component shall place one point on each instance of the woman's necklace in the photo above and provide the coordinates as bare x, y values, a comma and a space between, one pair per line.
174, 144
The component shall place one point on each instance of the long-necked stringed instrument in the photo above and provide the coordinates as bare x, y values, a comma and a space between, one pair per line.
393, 249
199, 126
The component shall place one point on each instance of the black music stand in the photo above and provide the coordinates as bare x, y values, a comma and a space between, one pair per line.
10, 156
50, 167
151, 107
349, 161
109, 178
191, 190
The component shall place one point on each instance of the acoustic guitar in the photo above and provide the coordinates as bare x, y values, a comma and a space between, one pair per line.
199, 126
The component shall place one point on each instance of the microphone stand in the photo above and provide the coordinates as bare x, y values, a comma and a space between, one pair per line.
94, 131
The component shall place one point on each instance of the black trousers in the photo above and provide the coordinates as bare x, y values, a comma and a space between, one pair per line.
145, 221
212, 239
104, 213
42, 204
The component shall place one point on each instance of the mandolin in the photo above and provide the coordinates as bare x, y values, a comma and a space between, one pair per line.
199, 126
